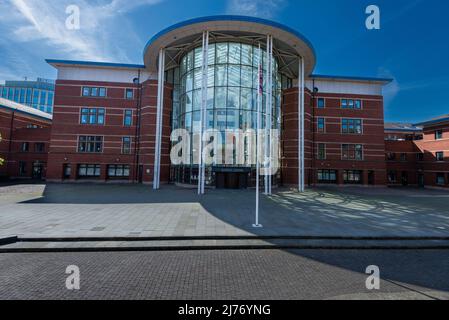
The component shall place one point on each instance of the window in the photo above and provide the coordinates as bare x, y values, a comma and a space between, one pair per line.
126, 145
392, 177
321, 125
438, 134
28, 99
128, 118
129, 94
440, 179
22, 168
420, 156
16, 94
39, 147
352, 152
35, 98
321, 151
94, 92
351, 126
67, 171
92, 116
43, 99
102, 92
353, 177
440, 156
351, 104
89, 171
403, 157
90, 144
321, 103
118, 171
327, 176
391, 156
25, 147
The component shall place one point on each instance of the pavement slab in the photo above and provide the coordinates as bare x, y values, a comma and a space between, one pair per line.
68, 210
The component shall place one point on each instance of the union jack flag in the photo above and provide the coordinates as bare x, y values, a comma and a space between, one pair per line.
260, 79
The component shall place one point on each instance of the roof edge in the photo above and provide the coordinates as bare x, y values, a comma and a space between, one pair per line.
11, 105
55, 63
432, 122
230, 18
352, 78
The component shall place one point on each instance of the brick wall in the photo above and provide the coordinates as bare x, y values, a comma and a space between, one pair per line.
372, 137
18, 128
67, 128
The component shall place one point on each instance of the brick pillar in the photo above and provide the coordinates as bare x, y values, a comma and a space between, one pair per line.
289, 138
148, 131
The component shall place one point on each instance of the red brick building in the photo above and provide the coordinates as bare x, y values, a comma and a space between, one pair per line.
113, 122
25, 140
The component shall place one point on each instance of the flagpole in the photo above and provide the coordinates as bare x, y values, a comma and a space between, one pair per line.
259, 91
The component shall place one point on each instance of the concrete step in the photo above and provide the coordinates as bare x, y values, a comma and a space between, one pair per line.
220, 244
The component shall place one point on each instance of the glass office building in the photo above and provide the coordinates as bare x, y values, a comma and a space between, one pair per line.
232, 83
37, 94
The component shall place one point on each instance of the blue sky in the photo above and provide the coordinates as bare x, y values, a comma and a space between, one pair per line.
412, 46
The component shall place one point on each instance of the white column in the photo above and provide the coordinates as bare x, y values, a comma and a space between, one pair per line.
203, 117
159, 117
259, 136
301, 153
268, 112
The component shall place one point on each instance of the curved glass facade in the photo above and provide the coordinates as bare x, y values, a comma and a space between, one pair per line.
231, 98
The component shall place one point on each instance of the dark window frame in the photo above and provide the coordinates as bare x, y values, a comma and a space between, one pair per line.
439, 134
351, 104
25, 147
321, 125
126, 145
22, 168
321, 103
325, 176
321, 153
350, 177
127, 97
438, 176
39, 147
128, 115
352, 152
121, 171
90, 144
439, 156
94, 92
86, 168
92, 116
351, 126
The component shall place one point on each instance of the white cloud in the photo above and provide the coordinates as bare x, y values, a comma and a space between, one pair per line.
44, 21
391, 90
258, 8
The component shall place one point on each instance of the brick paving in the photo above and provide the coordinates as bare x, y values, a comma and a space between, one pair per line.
265, 274
71, 210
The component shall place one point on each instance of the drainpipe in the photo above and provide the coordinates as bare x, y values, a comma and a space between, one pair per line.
312, 172
138, 124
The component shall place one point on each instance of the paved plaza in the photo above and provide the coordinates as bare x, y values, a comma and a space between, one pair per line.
227, 275
89, 210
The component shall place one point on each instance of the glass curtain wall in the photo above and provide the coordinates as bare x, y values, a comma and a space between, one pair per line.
231, 98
